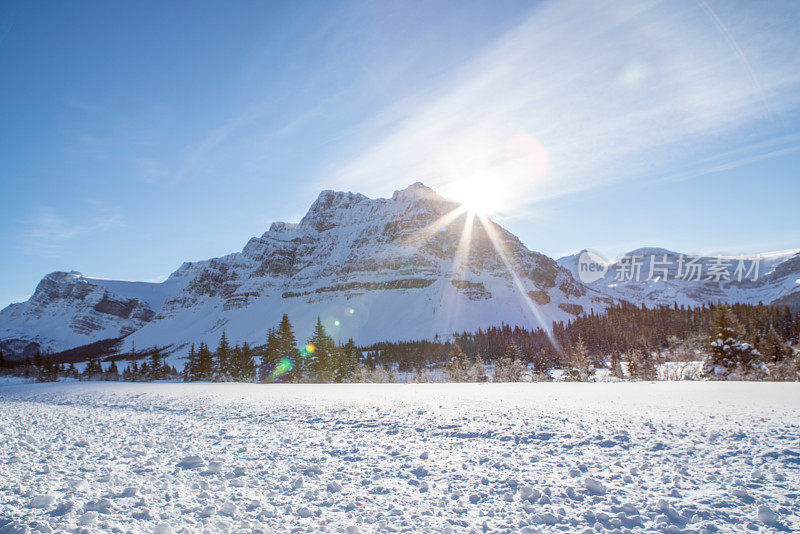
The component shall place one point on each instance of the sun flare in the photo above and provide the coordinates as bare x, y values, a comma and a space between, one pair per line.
494, 175
477, 196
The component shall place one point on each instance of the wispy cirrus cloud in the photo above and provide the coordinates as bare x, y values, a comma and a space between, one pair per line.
130, 145
584, 94
47, 232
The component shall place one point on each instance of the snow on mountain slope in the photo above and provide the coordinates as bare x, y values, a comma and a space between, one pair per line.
656, 276
372, 269
70, 309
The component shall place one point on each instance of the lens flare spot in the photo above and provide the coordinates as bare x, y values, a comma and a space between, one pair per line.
350, 311
336, 323
307, 350
633, 74
283, 367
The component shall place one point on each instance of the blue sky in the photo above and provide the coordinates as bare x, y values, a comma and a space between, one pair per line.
135, 135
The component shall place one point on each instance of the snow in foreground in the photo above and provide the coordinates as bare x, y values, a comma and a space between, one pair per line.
401, 457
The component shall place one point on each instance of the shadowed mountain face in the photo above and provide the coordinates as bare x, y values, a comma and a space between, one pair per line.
407, 267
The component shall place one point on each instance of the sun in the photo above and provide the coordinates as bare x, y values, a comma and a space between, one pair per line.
476, 195
494, 175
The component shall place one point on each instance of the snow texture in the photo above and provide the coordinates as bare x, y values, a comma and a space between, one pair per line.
667, 457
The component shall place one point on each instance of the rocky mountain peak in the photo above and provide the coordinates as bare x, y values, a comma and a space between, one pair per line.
417, 190
322, 215
280, 226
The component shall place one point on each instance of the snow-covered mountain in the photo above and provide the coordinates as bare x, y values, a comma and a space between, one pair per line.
69, 310
372, 269
656, 276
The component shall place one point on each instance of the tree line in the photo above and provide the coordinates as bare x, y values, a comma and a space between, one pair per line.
321, 359
622, 328
43, 368
740, 340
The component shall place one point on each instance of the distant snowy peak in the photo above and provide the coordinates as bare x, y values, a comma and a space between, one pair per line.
68, 309
656, 276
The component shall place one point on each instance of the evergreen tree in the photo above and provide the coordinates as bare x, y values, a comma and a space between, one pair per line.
72, 372
615, 365
542, 363
319, 363
223, 356
242, 365
191, 366
726, 353
579, 362
508, 370
457, 367
112, 373
794, 331
271, 353
513, 352
94, 370
48, 371
641, 365
233, 363
205, 363
477, 372
335, 369
156, 370
38, 361
773, 347
289, 357
132, 371
349, 358
132, 357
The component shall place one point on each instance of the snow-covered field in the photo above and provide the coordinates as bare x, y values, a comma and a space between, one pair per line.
677, 456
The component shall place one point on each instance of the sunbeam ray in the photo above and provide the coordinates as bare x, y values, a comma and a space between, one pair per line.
451, 299
491, 233
422, 236
462, 252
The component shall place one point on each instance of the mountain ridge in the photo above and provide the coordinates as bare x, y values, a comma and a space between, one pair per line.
665, 278
372, 269
378, 269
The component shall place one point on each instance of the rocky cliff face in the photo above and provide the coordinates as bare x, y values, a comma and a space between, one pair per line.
70, 309
372, 269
